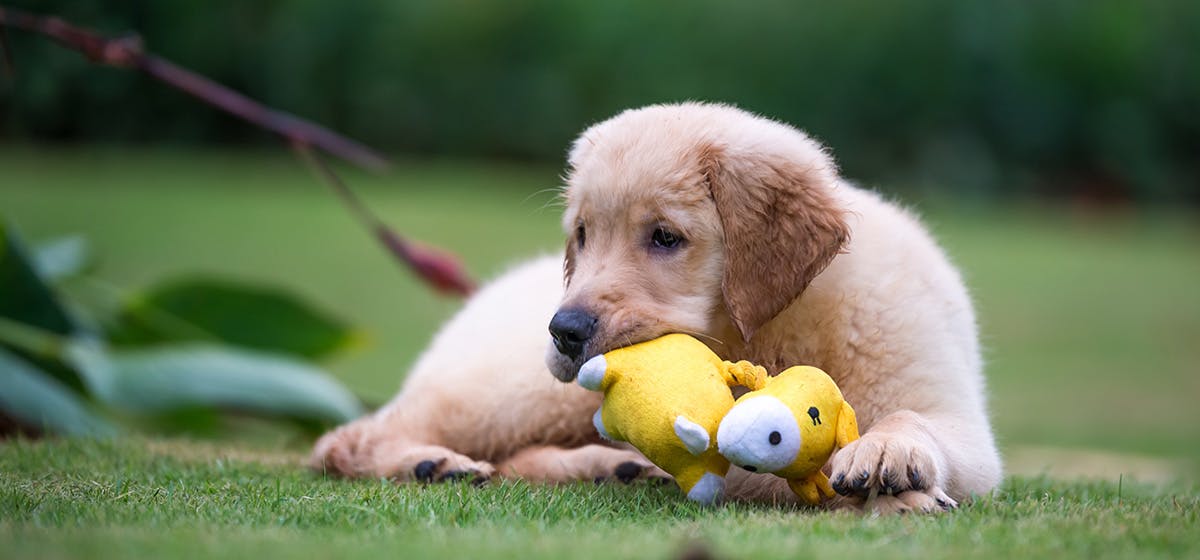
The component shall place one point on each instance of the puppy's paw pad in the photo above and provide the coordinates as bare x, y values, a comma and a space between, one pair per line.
449, 468
931, 501
628, 471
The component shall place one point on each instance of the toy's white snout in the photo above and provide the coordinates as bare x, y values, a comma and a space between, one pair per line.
759, 434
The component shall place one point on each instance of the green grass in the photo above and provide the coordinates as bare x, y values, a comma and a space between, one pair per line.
139, 499
1090, 323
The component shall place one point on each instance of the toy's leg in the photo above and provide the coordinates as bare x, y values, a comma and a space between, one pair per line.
823, 486
598, 422
708, 489
806, 490
700, 485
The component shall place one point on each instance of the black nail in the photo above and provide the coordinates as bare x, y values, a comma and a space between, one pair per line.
888, 483
627, 471
839, 484
425, 470
914, 479
860, 482
944, 504
454, 476
599, 480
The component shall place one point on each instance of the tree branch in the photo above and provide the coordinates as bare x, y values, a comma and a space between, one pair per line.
128, 52
437, 268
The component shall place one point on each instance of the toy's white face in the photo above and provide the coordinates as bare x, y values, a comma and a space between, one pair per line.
759, 434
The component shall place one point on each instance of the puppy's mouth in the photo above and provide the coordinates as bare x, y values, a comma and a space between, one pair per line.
566, 368
563, 367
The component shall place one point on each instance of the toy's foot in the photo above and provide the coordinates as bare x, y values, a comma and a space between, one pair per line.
708, 490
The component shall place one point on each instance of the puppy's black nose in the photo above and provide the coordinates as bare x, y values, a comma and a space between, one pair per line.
571, 329
750, 468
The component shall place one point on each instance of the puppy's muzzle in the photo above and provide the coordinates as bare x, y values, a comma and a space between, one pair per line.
572, 329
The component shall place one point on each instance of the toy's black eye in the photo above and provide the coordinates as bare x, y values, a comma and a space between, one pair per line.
664, 239
775, 438
580, 236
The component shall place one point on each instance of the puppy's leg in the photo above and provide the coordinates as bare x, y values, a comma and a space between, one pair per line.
383, 445
550, 464
913, 462
479, 393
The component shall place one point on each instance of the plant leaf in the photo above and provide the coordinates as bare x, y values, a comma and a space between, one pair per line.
61, 258
39, 401
30, 304
199, 309
193, 375
27, 298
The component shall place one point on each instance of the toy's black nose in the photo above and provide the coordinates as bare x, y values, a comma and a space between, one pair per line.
571, 329
750, 468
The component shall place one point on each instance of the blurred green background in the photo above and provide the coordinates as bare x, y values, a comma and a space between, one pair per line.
1088, 98
1052, 147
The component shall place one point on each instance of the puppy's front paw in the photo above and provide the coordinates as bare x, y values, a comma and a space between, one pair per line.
931, 500
450, 468
890, 464
607, 464
341, 452
403, 462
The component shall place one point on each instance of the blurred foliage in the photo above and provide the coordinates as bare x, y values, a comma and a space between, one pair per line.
1088, 98
241, 352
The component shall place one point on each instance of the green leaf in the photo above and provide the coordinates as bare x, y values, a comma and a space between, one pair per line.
220, 310
61, 258
39, 401
194, 375
24, 295
29, 305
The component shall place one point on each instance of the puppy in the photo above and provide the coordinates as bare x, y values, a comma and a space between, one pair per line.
706, 220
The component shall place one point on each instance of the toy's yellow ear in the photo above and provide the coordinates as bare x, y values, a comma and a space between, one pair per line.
847, 426
745, 374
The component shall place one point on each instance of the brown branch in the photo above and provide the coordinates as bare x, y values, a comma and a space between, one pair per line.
438, 268
128, 52
435, 267
8, 62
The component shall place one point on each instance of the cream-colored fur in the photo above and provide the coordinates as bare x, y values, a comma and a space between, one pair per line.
888, 318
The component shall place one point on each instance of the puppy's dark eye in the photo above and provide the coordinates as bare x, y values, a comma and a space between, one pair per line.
580, 236
775, 438
664, 239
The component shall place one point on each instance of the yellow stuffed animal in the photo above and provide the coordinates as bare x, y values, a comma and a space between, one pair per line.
790, 428
666, 397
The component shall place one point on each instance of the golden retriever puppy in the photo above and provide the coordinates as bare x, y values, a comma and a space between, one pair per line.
707, 220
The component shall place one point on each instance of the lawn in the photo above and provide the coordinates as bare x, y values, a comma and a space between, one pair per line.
163, 499
1090, 321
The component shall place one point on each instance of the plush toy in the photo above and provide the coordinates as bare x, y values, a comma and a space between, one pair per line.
666, 397
790, 428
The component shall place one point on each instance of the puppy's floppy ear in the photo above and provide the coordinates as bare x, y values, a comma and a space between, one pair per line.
782, 226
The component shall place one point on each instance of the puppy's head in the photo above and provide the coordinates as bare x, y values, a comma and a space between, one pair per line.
688, 218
